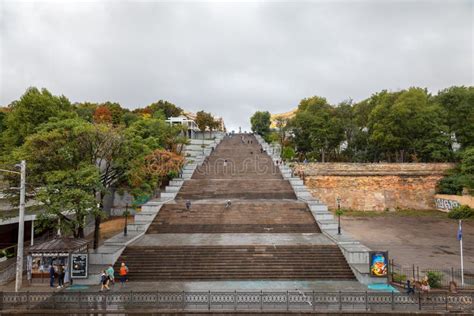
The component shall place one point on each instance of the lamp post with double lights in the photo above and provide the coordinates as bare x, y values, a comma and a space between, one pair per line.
21, 223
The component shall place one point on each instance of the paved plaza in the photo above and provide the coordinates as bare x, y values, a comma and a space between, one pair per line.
425, 241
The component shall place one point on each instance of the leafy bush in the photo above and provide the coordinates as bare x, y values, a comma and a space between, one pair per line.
451, 184
434, 279
288, 153
461, 212
399, 278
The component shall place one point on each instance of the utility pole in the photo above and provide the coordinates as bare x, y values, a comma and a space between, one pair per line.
21, 228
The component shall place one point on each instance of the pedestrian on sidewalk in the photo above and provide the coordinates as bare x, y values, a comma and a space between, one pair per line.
123, 274
410, 287
188, 205
51, 275
111, 274
104, 281
228, 204
60, 276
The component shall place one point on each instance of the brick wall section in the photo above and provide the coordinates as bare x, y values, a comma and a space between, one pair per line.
374, 186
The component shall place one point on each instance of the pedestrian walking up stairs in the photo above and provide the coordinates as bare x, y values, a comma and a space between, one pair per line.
245, 221
112, 248
356, 254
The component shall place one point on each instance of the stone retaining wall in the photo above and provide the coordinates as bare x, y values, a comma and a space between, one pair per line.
374, 186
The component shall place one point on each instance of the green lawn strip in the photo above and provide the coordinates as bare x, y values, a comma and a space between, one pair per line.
397, 213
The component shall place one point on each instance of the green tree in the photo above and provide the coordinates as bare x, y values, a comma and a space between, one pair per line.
204, 120
86, 110
167, 108
62, 145
408, 126
281, 124
34, 108
458, 102
317, 128
260, 123
67, 198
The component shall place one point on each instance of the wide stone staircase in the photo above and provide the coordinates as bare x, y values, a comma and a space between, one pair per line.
265, 233
237, 262
285, 216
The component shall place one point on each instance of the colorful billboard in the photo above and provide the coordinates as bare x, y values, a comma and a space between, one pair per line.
378, 261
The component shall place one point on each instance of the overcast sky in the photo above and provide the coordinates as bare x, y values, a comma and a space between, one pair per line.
232, 58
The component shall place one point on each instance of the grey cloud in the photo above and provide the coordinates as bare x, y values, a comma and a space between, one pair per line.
232, 58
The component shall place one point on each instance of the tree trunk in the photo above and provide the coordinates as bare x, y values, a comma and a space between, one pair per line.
80, 232
97, 232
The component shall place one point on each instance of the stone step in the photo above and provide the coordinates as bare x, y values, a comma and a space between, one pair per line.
241, 217
178, 183
323, 216
296, 181
236, 262
318, 207
327, 224
300, 188
172, 189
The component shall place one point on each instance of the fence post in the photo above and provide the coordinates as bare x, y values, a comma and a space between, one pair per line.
391, 270
235, 300
419, 301
28, 299
261, 300
393, 301
366, 301
287, 301
314, 301
452, 274
340, 301
209, 300
414, 276
418, 272
1, 300
183, 300
446, 300
79, 299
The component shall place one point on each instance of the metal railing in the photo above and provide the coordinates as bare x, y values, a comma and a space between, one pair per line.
399, 274
241, 301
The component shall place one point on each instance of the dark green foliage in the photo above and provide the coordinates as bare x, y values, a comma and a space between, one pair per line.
399, 278
260, 123
288, 153
34, 108
461, 177
434, 279
451, 184
458, 103
166, 108
405, 126
461, 212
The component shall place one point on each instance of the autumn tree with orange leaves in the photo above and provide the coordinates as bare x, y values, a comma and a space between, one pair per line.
150, 171
102, 115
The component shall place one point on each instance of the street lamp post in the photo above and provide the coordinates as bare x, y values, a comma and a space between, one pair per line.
21, 224
338, 215
126, 220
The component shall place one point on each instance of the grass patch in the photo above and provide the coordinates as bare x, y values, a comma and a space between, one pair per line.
397, 213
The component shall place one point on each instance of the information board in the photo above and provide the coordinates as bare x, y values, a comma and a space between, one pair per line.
79, 265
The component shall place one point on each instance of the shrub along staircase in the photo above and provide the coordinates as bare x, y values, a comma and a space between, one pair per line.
263, 203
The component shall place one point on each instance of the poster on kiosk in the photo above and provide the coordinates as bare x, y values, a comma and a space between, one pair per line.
378, 261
